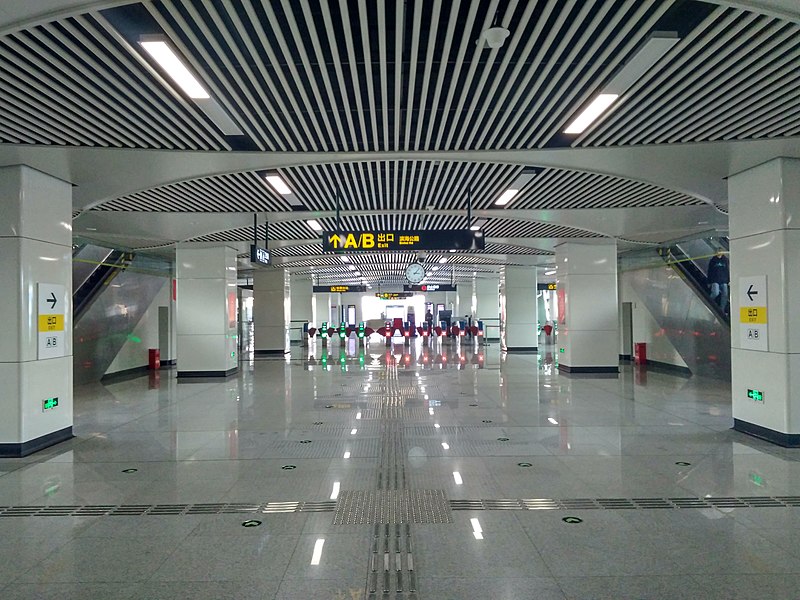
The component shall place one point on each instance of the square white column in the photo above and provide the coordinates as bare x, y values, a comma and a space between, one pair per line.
588, 327
519, 320
487, 309
272, 307
764, 205
206, 312
35, 310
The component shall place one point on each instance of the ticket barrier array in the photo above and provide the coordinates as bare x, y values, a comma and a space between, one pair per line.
343, 332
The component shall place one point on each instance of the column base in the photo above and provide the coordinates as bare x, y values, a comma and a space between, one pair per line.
523, 349
787, 440
189, 374
269, 352
568, 369
27, 448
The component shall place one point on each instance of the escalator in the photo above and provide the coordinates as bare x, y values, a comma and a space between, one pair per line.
112, 291
691, 258
676, 295
92, 269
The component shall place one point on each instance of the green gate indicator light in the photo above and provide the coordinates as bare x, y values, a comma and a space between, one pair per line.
756, 395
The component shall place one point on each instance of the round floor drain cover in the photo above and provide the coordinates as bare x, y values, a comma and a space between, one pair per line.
251, 523
683, 464
317, 422
288, 467
305, 441
486, 421
329, 406
524, 465
473, 405
502, 439
130, 470
572, 520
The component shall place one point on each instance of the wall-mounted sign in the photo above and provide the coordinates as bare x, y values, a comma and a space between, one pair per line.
339, 289
392, 295
430, 287
756, 395
52, 298
371, 241
753, 326
49, 403
259, 256
546, 286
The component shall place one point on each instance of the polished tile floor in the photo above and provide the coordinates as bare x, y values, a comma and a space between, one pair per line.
434, 473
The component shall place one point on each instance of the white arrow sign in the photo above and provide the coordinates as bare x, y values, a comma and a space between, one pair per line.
753, 318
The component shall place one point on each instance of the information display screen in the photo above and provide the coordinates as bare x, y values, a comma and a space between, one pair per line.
339, 289
430, 287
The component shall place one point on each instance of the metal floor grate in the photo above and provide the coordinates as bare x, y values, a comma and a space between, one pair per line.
361, 507
100, 510
624, 503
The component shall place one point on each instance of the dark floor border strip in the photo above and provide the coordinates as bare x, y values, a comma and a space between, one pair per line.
625, 357
787, 440
192, 374
27, 448
265, 352
568, 369
523, 349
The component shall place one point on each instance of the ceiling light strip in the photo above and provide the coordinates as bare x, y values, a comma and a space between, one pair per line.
186, 117
579, 56
230, 100
623, 122
629, 34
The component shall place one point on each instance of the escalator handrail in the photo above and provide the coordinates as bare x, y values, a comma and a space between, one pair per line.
88, 292
695, 277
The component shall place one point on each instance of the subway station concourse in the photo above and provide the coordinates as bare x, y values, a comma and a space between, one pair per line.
399, 299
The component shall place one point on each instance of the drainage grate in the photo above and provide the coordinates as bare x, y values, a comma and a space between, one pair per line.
360, 507
625, 503
101, 510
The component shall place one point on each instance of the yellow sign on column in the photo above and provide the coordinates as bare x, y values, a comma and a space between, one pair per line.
753, 314
51, 323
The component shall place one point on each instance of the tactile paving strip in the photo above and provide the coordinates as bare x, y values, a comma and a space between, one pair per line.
100, 510
367, 507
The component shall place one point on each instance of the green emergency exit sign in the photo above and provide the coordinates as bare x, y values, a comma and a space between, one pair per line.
756, 395
49, 403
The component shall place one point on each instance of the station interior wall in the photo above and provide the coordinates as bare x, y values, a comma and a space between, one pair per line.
645, 327
134, 352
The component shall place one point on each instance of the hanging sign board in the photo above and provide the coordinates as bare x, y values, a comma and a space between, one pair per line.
259, 256
430, 287
392, 295
394, 241
51, 304
339, 289
546, 286
753, 321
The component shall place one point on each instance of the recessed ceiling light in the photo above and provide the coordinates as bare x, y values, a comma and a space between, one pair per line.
444, 259
506, 197
550, 272
314, 224
645, 58
434, 268
279, 184
174, 67
591, 112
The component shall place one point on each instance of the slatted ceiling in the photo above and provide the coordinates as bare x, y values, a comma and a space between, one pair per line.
243, 192
563, 189
74, 82
736, 76
513, 249
506, 228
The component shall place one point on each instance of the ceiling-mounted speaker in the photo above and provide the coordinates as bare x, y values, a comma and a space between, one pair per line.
496, 36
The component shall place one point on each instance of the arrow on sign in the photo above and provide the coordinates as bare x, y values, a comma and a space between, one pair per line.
52, 300
751, 292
